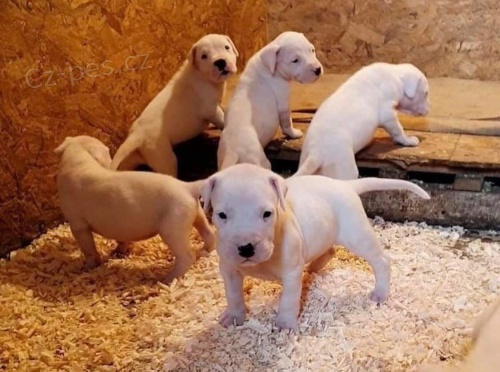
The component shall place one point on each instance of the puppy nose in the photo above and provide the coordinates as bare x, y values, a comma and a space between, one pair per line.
246, 250
317, 71
220, 64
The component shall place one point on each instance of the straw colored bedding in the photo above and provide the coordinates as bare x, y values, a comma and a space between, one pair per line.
53, 316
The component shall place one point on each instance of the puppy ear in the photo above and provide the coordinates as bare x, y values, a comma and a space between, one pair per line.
191, 57
206, 193
101, 154
279, 186
236, 53
411, 82
60, 149
269, 55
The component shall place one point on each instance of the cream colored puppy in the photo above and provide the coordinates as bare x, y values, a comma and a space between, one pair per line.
183, 109
126, 206
260, 102
346, 122
484, 356
270, 228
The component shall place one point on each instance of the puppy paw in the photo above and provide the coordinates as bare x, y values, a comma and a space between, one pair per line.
287, 322
229, 318
379, 295
294, 133
410, 141
91, 263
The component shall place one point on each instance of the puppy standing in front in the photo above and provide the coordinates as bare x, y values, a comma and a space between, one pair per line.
126, 206
260, 102
183, 109
270, 228
346, 122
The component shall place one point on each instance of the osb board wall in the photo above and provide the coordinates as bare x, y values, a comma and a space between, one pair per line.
453, 38
63, 71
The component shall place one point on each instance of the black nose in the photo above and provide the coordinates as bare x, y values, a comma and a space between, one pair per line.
317, 71
220, 64
246, 250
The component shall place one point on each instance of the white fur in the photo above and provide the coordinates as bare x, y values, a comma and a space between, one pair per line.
346, 121
126, 206
484, 356
290, 223
260, 102
182, 110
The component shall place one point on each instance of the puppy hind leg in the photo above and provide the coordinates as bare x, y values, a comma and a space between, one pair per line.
320, 262
205, 230
85, 240
177, 240
366, 246
161, 158
344, 168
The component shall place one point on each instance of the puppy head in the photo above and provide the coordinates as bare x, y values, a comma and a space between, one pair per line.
292, 57
415, 99
214, 56
246, 201
98, 150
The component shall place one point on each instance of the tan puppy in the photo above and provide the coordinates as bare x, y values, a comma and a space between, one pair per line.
126, 206
346, 121
183, 109
260, 102
271, 228
485, 354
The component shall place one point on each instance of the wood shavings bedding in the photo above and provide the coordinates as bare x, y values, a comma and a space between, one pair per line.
119, 317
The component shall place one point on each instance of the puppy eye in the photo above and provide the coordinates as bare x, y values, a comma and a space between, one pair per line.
313, 50
222, 215
296, 60
204, 56
267, 214
227, 47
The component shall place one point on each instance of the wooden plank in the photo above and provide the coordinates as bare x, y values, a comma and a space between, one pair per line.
472, 108
477, 151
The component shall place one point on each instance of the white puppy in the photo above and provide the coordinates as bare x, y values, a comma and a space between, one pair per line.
260, 101
183, 109
270, 228
126, 206
484, 356
346, 121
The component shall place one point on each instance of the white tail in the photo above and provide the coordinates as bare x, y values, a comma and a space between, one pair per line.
363, 185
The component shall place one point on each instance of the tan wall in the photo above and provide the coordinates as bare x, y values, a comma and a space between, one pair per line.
61, 35
456, 38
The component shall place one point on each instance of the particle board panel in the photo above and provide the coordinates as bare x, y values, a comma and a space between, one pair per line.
477, 151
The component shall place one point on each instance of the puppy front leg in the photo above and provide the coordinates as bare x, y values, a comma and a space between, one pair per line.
287, 125
289, 307
218, 118
235, 312
394, 128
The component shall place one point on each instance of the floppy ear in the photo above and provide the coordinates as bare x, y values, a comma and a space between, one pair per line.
206, 193
268, 55
411, 81
278, 184
232, 46
60, 149
191, 57
101, 154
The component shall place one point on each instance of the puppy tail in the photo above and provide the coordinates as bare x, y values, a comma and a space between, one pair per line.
195, 187
310, 166
127, 148
363, 185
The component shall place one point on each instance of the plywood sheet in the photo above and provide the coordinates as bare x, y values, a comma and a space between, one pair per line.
448, 38
87, 67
